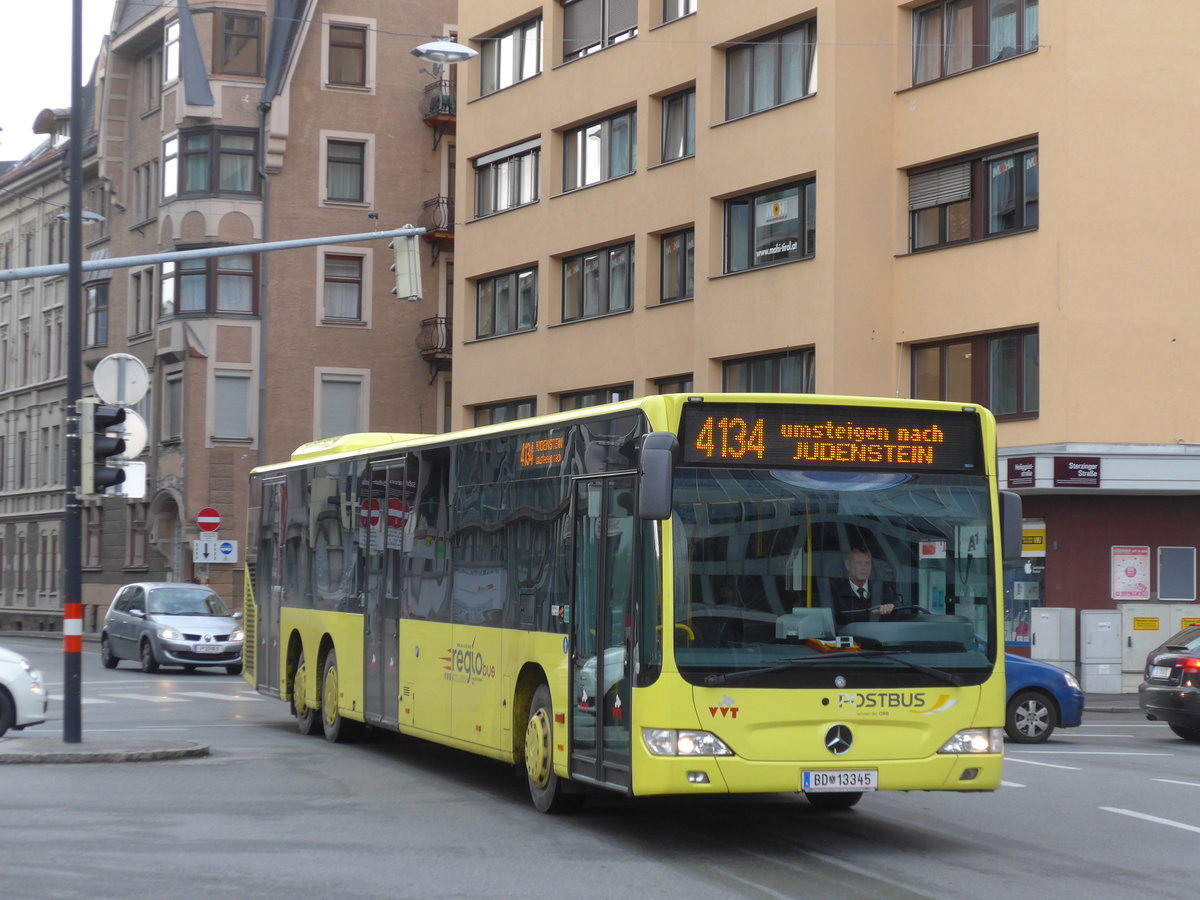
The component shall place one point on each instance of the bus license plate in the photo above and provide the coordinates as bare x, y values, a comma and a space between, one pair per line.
207, 648
839, 780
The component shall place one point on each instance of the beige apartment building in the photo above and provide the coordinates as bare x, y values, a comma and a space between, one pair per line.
219, 124
846, 197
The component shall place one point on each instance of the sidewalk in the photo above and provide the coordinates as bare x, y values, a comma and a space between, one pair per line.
33, 746
1112, 703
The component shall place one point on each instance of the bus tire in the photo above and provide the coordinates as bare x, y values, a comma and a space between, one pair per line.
338, 729
545, 787
307, 715
833, 802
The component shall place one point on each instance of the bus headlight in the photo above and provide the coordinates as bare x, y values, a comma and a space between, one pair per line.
672, 742
976, 740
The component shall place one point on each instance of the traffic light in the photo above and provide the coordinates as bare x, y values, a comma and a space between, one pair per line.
406, 263
97, 445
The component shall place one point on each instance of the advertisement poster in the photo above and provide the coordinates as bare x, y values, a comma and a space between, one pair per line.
1131, 573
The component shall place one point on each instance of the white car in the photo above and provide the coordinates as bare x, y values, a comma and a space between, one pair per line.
23, 697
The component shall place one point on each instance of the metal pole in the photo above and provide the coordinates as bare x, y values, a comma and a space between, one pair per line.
72, 520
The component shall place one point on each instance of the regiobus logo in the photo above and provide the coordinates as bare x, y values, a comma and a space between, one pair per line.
465, 664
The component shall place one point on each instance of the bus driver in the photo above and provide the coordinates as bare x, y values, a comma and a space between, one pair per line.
858, 597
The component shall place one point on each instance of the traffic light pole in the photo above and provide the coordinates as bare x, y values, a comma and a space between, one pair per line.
72, 540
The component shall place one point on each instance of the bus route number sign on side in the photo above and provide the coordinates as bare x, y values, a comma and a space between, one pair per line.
208, 519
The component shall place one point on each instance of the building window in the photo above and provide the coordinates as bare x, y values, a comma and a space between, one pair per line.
341, 405
145, 191
793, 372
677, 9
678, 265
600, 150
141, 301
998, 370
137, 539
772, 226
591, 25
96, 324
218, 285
598, 282
771, 70
680, 384
953, 36
507, 178
345, 177
506, 303
583, 399
150, 73
511, 56
210, 162
239, 51
974, 198
171, 52
343, 287
172, 408
494, 413
679, 125
231, 405
348, 55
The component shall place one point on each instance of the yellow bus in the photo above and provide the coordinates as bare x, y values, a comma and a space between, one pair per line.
651, 597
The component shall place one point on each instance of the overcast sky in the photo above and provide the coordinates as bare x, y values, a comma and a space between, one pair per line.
35, 63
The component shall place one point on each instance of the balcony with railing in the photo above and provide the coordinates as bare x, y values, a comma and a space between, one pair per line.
439, 107
437, 218
434, 343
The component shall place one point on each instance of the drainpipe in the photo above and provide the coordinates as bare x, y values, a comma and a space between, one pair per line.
263, 266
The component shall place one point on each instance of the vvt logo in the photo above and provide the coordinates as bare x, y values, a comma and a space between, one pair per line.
727, 709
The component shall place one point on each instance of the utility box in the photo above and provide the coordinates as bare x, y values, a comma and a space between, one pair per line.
1145, 626
1100, 651
1052, 635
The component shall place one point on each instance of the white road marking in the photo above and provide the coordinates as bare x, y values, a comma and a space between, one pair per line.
1010, 784
1184, 783
235, 698
1149, 818
1030, 762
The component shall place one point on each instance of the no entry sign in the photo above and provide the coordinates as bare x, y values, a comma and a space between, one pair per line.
208, 519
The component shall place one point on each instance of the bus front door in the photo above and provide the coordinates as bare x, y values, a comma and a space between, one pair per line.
386, 498
605, 528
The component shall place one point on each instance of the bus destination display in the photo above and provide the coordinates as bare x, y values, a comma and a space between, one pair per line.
739, 434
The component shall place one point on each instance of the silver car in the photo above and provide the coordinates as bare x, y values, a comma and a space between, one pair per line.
165, 624
23, 697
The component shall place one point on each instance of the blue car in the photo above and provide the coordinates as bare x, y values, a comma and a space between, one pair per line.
1041, 697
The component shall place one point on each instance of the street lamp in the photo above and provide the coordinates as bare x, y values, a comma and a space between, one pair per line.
444, 52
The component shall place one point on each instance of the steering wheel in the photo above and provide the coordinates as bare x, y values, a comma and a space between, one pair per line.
911, 611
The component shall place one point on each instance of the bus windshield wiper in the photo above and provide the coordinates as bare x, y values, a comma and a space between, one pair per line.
797, 662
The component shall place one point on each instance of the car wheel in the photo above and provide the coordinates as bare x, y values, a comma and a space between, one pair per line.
338, 729
8, 714
234, 669
106, 655
149, 661
305, 713
832, 802
1031, 718
1186, 732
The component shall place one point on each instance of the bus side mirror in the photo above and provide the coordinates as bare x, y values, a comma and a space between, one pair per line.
656, 474
1010, 525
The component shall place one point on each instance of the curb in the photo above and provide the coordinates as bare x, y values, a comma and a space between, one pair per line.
18, 751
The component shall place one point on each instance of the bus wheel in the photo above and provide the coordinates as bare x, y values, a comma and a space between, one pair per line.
834, 801
545, 787
306, 715
338, 730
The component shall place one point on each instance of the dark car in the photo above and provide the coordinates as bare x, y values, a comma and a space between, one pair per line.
1041, 697
1171, 691
162, 623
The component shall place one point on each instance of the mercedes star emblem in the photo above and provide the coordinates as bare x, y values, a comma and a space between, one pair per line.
838, 740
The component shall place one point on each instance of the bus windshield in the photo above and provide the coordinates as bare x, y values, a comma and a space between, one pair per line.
798, 578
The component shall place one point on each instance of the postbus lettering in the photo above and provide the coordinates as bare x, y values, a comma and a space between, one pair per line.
882, 700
